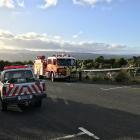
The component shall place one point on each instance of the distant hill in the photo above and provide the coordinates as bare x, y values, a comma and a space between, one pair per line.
29, 55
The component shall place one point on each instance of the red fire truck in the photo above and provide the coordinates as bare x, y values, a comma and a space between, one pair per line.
54, 67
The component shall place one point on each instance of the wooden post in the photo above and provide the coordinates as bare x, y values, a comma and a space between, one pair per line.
80, 76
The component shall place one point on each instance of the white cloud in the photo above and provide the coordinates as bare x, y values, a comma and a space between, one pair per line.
11, 3
20, 3
49, 3
43, 42
75, 36
90, 2
7, 3
6, 35
57, 37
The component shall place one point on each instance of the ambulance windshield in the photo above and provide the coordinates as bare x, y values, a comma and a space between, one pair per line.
18, 76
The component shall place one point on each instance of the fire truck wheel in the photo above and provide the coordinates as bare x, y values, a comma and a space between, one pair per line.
38, 103
52, 77
3, 106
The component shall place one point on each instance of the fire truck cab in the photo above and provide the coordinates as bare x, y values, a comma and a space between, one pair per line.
58, 66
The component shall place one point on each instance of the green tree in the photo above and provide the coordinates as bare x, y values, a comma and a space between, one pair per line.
122, 62
99, 61
88, 64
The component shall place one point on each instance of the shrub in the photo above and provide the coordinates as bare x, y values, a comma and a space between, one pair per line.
135, 80
107, 78
87, 77
97, 78
122, 76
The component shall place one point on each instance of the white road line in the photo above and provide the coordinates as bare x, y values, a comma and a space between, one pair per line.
84, 131
89, 133
114, 88
69, 136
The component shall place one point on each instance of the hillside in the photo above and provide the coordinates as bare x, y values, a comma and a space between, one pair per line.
28, 55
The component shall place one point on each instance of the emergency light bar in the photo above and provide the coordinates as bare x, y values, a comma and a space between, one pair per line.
61, 55
15, 67
41, 57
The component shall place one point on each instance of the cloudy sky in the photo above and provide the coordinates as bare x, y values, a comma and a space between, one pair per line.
98, 26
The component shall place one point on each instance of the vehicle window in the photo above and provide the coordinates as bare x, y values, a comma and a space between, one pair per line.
66, 62
49, 61
73, 62
16, 76
54, 62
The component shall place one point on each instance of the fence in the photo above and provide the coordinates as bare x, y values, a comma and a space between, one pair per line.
100, 73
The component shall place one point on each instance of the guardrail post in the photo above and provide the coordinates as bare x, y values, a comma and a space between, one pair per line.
80, 76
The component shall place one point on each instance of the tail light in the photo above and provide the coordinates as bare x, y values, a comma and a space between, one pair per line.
11, 85
44, 87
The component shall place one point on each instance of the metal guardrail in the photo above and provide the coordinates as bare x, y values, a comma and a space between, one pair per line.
107, 70
79, 75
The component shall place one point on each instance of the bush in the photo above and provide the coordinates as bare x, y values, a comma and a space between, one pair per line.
122, 76
87, 77
107, 78
135, 80
98, 78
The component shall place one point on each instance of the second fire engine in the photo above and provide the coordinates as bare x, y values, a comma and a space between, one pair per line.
55, 67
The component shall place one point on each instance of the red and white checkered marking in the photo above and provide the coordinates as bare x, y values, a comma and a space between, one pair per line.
19, 89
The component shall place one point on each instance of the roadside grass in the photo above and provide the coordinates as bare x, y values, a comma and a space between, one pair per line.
122, 77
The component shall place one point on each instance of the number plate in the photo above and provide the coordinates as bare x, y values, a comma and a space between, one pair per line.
25, 97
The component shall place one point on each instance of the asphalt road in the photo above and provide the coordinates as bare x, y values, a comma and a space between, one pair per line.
110, 112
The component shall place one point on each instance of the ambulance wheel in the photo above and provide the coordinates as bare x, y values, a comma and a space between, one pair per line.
52, 77
3, 106
38, 103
